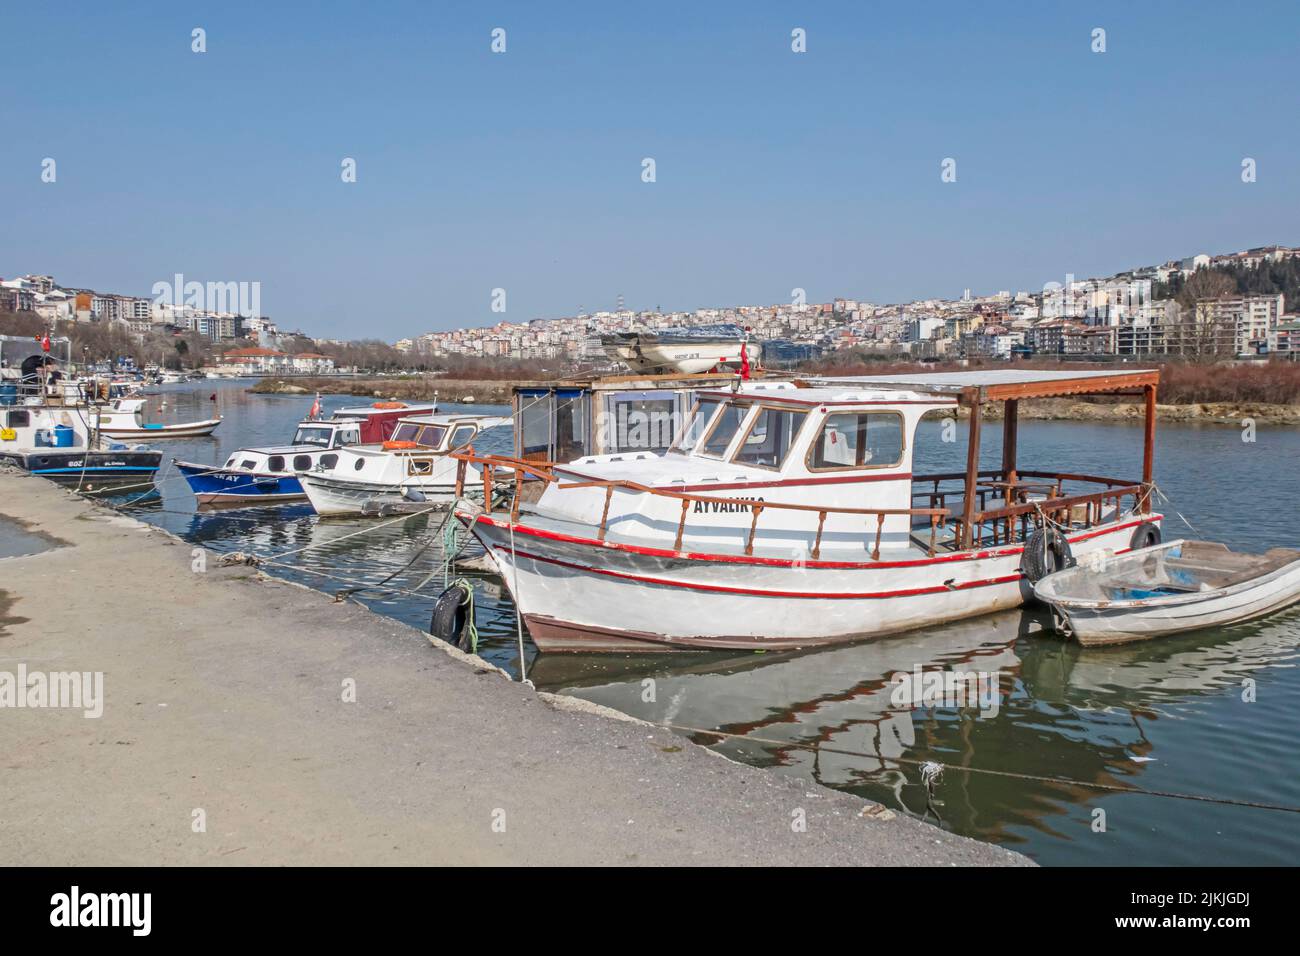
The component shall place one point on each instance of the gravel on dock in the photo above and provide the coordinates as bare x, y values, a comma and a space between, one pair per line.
226, 737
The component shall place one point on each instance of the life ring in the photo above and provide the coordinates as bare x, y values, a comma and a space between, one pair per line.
391, 445
389, 405
1145, 535
450, 614
1046, 552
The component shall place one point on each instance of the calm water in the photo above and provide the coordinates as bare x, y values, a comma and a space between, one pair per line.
1165, 716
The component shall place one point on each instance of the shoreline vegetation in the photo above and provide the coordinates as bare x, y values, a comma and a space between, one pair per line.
1267, 393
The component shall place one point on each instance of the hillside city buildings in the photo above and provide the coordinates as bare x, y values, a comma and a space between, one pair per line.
1131, 313
1119, 315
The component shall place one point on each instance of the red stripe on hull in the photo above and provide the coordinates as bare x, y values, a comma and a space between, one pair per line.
763, 592
521, 529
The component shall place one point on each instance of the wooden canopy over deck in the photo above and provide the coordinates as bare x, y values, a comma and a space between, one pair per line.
973, 389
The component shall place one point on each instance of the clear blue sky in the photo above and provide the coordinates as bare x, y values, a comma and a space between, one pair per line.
775, 170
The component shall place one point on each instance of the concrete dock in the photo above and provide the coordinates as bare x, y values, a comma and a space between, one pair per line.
226, 736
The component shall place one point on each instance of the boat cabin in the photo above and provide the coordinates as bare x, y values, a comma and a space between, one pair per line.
436, 432
28, 427
561, 421
378, 419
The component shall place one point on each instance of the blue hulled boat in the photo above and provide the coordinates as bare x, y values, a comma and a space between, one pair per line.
270, 475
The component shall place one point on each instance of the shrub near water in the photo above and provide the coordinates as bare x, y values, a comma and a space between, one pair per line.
1181, 383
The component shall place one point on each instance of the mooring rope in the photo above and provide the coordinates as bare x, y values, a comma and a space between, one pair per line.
1011, 774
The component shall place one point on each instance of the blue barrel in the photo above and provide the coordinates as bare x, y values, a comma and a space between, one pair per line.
64, 437
8, 393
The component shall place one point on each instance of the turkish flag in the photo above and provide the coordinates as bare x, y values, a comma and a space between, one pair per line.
45, 343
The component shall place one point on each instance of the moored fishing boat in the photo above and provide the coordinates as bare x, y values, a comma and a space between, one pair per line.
412, 465
59, 443
270, 474
1168, 589
787, 516
124, 418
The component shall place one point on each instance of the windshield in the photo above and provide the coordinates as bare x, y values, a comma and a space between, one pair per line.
770, 438
690, 434
428, 436
724, 429
313, 436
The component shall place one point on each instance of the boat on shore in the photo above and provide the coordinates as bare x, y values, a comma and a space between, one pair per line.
687, 350
271, 474
1168, 589
411, 466
787, 515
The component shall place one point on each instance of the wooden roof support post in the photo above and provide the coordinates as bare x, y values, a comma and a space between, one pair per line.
973, 400
1149, 447
1010, 432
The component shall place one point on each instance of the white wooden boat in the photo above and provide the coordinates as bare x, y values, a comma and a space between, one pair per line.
787, 516
1167, 589
411, 465
124, 418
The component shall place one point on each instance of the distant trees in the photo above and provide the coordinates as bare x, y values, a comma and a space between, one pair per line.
1267, 278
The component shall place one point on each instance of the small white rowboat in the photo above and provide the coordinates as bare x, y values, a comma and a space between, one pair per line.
1167, 589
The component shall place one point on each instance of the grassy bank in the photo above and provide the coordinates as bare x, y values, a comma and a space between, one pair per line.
412, 388
1187, 395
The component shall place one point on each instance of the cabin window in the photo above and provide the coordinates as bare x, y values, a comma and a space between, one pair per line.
419, 466
361, 463
696, 422
275, 463
230, 462
406, 431
552, 424
248, 464
349, 437
462, 435
329, 461
431, 436
725, 425
858, 440
641, 421
301, 462
313, 435
20, 418
770, 437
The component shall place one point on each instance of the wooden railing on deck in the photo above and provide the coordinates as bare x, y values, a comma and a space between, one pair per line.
546, 472
1019, 512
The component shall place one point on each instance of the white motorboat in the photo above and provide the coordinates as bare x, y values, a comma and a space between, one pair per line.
411, 466
684, 350
124, 418
788, 516
1167, 589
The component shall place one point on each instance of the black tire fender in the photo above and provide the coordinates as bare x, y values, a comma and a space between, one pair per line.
450, 614
1145, 535
1046, 552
